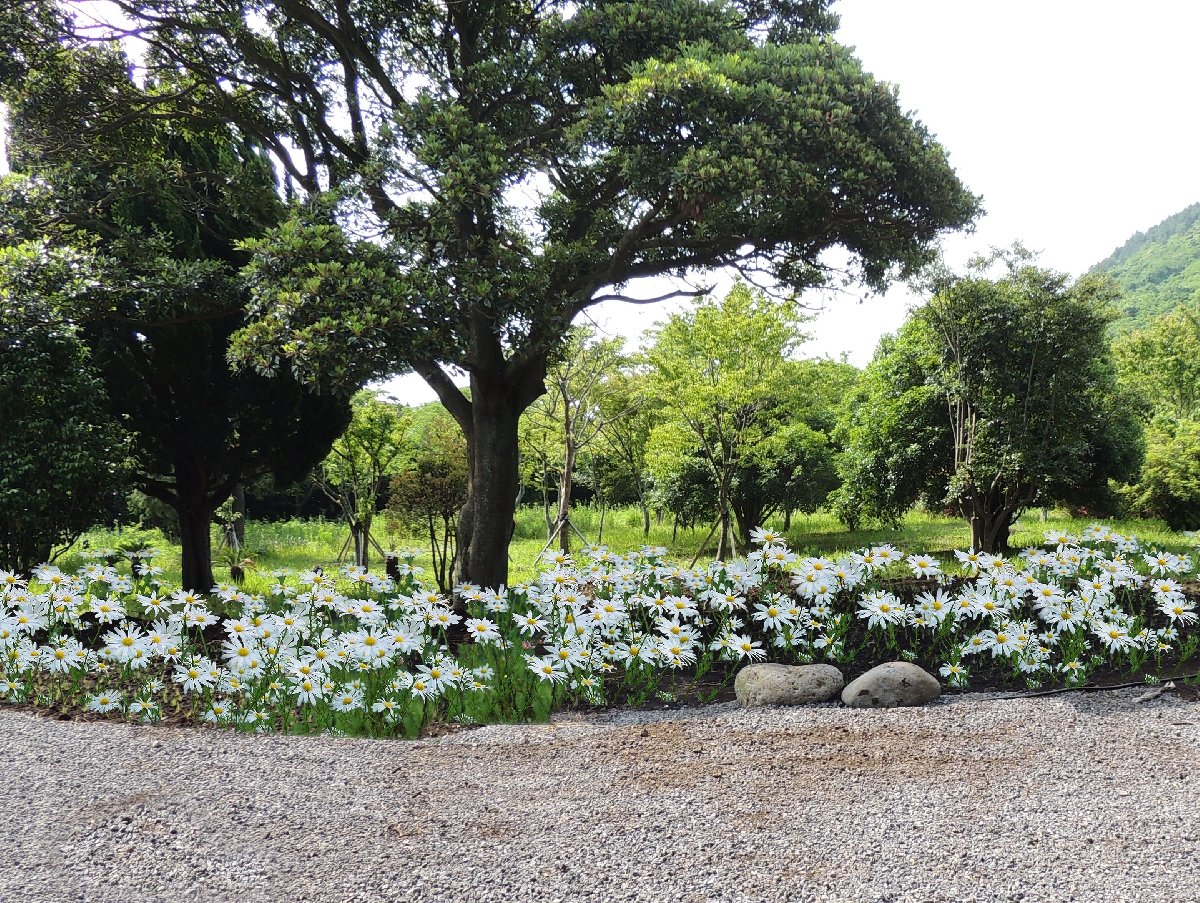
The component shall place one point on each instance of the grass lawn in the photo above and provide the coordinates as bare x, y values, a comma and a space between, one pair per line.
303, 544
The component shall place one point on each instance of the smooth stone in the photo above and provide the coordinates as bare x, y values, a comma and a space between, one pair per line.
890, 685
773, 684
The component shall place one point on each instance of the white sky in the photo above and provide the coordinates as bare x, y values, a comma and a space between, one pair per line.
1075, 119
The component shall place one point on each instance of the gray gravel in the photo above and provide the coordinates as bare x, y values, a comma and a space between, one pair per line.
1073, 797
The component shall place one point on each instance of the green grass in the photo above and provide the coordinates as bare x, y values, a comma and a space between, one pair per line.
303, 544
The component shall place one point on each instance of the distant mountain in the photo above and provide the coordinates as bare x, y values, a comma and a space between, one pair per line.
1159, 269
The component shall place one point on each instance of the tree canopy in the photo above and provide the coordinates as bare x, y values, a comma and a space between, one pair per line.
1159, 367
428, 490
1160, 364
730, 395
477, 173
995, 394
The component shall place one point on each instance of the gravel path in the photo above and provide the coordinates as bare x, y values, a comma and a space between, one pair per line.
1090, 798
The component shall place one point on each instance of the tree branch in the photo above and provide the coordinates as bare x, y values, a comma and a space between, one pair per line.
448, 393
679, 293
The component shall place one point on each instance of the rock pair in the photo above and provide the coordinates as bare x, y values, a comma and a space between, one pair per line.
885, 686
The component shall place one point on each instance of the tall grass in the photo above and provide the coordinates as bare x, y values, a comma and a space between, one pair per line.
300, 544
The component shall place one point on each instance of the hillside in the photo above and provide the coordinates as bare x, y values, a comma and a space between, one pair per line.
1159, 269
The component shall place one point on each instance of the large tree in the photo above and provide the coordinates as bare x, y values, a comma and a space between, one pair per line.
156, 210
502, 166
996, 394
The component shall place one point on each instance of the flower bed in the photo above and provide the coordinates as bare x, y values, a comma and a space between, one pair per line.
368, 655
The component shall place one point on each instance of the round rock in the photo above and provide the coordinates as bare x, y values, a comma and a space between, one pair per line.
772, 684
890, 685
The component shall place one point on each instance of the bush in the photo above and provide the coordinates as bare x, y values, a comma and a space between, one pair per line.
61, 458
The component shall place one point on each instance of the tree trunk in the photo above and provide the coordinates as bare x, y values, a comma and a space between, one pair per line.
725, 543
360, 530
726, 546
500, 391
486, 523
748, 515
449, 554
239, 515
196, 542
566, 481
645, 518
437, 552
991, 523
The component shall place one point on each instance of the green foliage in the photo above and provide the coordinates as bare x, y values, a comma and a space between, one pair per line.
150, 513
619, 465
1160, 364
793, 469
559, 430
1160, 367
995, 394
356, 471
1158, 270
61, 458
893, 430
738, 142
1169, 486
740, 422
29, 32
428, 491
